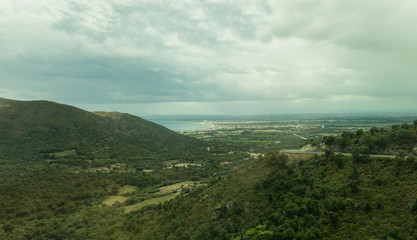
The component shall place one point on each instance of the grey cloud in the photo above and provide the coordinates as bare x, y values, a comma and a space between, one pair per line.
380, 25
291, 53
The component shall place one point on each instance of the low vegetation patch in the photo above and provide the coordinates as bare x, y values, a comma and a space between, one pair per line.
165, 193
151, 201
114, 199
187, 165
121, 196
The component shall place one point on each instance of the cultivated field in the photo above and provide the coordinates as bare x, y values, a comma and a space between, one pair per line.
114, 199
120, 195
151, 201
164, 194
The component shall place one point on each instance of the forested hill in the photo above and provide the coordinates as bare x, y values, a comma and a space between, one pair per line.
400, 138
326, 197
31, 130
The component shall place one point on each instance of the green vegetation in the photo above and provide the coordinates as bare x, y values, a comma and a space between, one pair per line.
399, 139
314, 199
53, 202
252, 140
70, 174
274, 133
326, 197
41, 130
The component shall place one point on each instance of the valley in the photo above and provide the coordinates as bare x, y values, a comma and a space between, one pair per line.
208, 120
116, 176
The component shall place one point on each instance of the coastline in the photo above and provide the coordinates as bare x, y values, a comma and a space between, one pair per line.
185, 126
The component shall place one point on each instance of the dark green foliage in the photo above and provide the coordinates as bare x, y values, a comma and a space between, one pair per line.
375, 141
379, 202
37, 130
278, 160
265, 200
334, 219
33, 200
331, 157
368, 207
59, 203
327, 197
258, 233
414, 207
260, 200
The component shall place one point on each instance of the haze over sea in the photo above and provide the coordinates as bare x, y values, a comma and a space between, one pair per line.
184, 125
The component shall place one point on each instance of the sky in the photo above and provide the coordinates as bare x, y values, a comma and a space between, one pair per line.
227, 57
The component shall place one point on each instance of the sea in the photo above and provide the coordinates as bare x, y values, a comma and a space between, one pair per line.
181, 126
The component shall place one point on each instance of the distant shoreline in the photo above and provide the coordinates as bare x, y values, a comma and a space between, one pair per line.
182, 126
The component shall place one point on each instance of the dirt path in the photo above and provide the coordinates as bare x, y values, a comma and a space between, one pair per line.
296, 151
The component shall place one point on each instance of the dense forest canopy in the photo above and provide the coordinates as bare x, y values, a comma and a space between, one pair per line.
38, 130
376, 141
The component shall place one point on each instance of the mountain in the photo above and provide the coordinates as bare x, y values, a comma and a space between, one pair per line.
32, 130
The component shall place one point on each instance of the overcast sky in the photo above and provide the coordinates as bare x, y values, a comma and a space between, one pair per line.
240, 57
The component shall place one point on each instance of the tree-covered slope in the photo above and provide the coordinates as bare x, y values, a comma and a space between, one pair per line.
326, 197
30, 129
376, 141
331, 196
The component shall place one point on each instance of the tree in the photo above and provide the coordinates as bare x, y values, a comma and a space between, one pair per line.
395, 127
354, 173
334, 219
338, 160
257, 233
276, 159
414, 207
360, 154
373, 130
367, 208
379, 202
329, 155
329, 140
402, 155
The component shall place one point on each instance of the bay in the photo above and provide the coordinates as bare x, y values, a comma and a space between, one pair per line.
184, 125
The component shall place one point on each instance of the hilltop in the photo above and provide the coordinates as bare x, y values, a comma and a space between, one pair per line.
34, 130
399, 138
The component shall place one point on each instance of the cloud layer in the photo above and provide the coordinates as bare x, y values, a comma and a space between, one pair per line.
226, 56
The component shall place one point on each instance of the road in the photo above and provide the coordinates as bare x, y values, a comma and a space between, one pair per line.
297, 151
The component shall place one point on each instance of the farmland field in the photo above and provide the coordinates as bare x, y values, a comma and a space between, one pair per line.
273, 133
164, 194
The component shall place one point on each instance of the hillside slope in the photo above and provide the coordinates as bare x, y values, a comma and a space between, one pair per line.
30, 130
375, 141
322, 198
